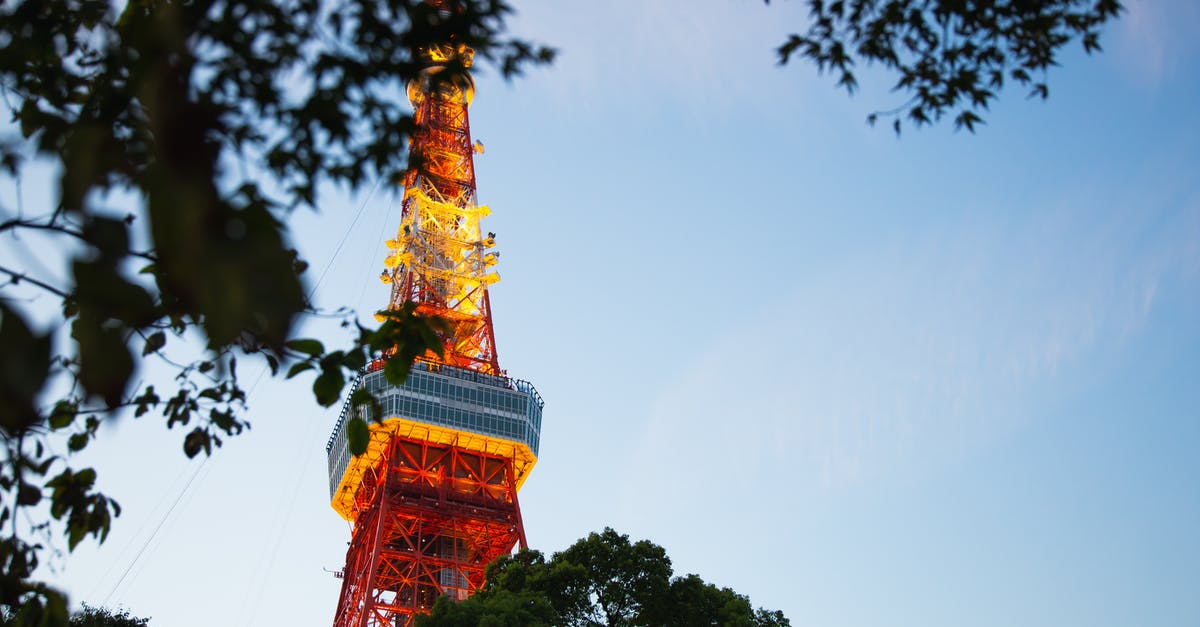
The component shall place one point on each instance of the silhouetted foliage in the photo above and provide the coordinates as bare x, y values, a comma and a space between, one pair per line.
218, 118
602, 579
952, 57
102, 617
89, 616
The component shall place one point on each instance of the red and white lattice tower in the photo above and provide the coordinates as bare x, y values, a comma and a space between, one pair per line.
434, 498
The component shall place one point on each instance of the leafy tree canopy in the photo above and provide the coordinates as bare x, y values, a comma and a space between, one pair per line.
90, 616
102, 617
603, 579
949, 57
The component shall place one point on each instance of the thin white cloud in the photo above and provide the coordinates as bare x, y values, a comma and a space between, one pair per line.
629, 54
1153, 36
908, 358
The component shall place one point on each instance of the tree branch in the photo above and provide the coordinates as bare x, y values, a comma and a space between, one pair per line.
17, 277
14, 223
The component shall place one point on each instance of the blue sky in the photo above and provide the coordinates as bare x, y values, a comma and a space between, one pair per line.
938, 380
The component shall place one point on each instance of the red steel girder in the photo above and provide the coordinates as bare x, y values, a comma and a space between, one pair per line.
437, 515
443, 149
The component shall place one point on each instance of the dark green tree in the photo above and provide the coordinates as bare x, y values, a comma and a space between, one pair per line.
211, 121
603, 579
89, 616
949, 57
102, 617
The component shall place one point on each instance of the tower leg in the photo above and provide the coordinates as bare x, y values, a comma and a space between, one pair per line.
440, 514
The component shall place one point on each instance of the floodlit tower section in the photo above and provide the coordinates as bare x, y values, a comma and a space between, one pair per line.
440, 259
434, 498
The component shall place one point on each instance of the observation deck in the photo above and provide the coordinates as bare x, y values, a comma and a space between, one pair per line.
489, 414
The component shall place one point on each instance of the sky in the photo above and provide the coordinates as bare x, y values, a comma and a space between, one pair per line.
937, 380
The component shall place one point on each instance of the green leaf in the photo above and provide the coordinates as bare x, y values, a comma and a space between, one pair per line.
77, 442
332, 360
396, 370
361, 396
355, 359
63, 414
24, 365
298, 368
328, 386
144, 402
307, 346
28, 494
101, 289
86, 477
212, 394
195, 441
109, 236
105, 363
358, 435
75, 535
154, 342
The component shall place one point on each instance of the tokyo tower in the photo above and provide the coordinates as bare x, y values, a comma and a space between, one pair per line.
434, 498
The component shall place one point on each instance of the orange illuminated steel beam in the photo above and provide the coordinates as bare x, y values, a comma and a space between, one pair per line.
441, 259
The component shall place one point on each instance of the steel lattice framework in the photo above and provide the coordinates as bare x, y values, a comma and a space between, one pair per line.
440, 259
433, 517
434, 498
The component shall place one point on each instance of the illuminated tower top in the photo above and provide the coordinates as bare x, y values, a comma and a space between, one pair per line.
441, 259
